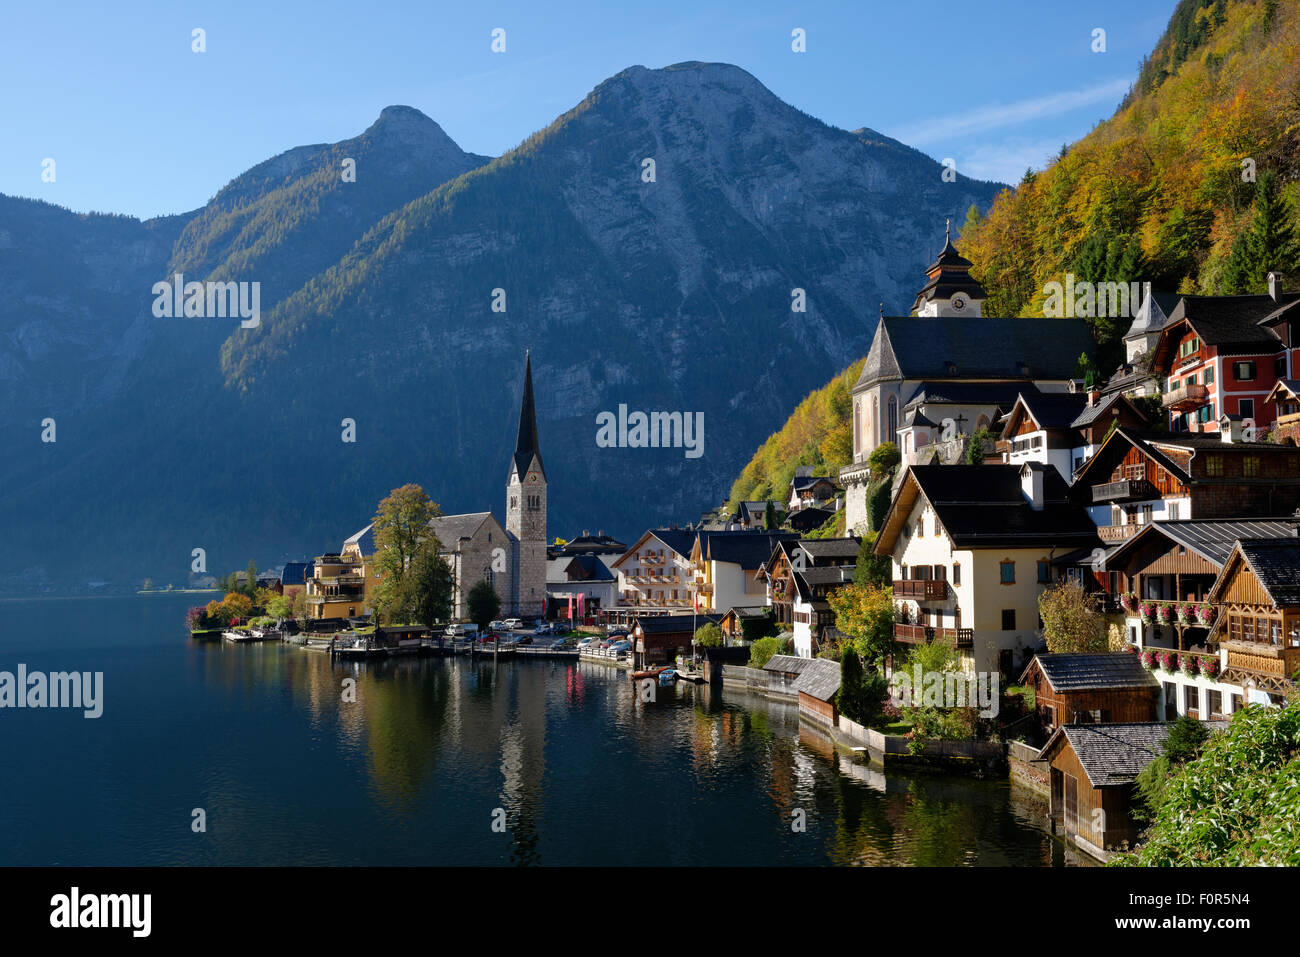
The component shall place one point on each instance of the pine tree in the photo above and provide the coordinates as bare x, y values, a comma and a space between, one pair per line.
1267, 244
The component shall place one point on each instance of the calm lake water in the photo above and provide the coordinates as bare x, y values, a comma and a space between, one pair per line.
415, 770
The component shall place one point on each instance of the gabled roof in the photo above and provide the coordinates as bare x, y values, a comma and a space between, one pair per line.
1093, 672
678, 540
1285, 389
1153, 313
788, 664
672, 624
984, 506
1113, 404
999, 394
801, 482
1111, 754
1048, 410
820, 679
364, 540
806, 519
748, 549
830, 548
806, 581
1229, 323
1211, 539
914, 347
1275, 563
587, 568
450, 529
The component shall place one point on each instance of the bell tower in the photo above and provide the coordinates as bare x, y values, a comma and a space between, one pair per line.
526, 509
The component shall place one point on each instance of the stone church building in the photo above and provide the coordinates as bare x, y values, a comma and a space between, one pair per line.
949, 369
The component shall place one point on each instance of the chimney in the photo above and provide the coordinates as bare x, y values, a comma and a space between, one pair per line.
1229, 429
1275, 286
1094, 396
1031, 485
586, 534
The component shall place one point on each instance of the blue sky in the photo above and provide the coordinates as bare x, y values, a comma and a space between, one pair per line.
137, 123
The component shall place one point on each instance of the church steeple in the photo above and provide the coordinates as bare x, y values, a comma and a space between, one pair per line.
527, 445
951, 290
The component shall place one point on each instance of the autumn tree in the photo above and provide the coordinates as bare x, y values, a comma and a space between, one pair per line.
872, 569
403, 540
1072, 624
865, 613
708, 636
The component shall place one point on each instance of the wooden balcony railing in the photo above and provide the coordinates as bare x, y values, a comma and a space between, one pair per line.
922, 589
1117, 533
1263, 659
1123, 490
1185, 397
921, 634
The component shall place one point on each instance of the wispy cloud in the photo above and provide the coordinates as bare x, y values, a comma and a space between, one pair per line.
1005, 161
994, 116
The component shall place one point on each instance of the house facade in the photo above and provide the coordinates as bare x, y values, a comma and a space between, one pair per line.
972, 548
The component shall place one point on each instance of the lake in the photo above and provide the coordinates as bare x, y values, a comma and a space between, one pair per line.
442, 762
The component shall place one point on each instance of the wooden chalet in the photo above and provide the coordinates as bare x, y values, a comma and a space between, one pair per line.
1258, 598
1091, 689
659, 639
1285, 402
1137, 478
1063, 429
739, 624
1092, 768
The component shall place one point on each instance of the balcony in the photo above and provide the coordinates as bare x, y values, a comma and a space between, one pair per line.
1124, 490
1185, 397
923, 634
1114, 534
922, 589
1266, 660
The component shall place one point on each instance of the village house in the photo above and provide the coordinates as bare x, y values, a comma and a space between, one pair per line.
599, 544
655, 575
740, 626
813, 618
1091, 688
972, 548
342, 584
1222, 355
1063, 429
1092, 768
579, 586
1136, 478
751, 515
725, 567
946, 344
660, 639
776, 573
1135, 376
808, 490
1285, 403
1257, 596
813, 681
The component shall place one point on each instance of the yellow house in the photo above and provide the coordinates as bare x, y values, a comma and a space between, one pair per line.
973, 546
343, 583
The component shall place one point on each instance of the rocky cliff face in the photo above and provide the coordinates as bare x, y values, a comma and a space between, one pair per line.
406, 300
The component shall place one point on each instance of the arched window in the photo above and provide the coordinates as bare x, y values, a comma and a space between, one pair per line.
874, 421
892, 433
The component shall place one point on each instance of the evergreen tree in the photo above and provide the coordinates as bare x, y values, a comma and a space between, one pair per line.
484, 604
769, 517
1268, 244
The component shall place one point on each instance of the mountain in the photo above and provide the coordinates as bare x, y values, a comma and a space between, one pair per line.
378, 306
1165, 189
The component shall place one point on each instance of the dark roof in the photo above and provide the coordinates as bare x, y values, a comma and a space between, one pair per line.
1118, 669
913, 347
1113, 754
1105, 405
808, 579
806, 519
983, 506
680, 540
830, 547
1276, 563
671, 624
1000, 394
1055, 410
295, 573
1230, 323
801, 482
594, 543
364, 540
527, 445
820, 679
1212, 539
587, 568
748, 549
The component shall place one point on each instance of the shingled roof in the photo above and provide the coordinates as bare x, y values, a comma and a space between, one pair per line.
450, 529
820, 679
1212, 539
1111, 754
1276, 563
831, 548
1229, 323
1093, 672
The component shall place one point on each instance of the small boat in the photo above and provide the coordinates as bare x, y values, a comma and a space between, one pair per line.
236, 635
692, 676
648, 673
667, 676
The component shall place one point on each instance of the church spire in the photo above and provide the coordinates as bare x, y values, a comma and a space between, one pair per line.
527, 445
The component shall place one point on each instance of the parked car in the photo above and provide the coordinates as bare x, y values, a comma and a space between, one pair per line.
619, 646
497, 625
456, 630
585, 642
523, 640
512, 623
